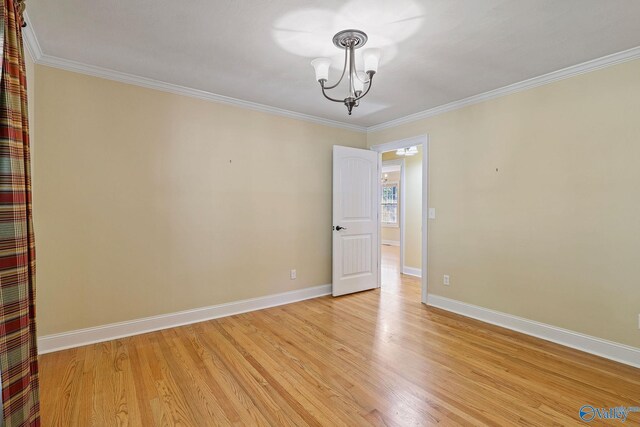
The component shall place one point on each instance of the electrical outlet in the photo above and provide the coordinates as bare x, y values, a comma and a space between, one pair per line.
445, 280
293, 274
432, 213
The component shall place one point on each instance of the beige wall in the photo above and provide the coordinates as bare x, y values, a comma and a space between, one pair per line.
149, 203
413, 202
139, 211
413, 219
538, 213
391, 234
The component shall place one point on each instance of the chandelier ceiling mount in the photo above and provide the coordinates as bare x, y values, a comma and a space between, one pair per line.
346, 37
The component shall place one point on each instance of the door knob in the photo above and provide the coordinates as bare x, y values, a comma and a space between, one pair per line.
338, 228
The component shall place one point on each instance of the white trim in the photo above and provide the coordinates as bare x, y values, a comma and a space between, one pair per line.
391, 242
401, 143
389, 166
403, 210
598, 346
574, 70
425, 216
422, 140
379, 219
30, 40
80, 337
412, 271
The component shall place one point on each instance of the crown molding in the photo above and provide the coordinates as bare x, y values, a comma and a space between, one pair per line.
574, 70
121, 77
31, 41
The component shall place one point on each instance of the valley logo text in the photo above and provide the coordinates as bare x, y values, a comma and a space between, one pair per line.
589, 413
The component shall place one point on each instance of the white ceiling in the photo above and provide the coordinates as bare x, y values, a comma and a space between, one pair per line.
434, 51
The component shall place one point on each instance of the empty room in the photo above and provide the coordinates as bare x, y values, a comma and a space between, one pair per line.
336, 213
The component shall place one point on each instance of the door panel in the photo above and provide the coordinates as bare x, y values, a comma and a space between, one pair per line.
355, 220
353, 247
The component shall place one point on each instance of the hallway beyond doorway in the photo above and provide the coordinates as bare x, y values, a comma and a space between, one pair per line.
392, 279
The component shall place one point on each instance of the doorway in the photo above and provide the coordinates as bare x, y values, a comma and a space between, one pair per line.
392, 216
403, 220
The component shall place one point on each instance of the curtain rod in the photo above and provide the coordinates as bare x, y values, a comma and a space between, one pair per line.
20, 9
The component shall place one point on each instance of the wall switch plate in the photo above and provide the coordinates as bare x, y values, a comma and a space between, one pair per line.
294, 274
445, 280
432, 213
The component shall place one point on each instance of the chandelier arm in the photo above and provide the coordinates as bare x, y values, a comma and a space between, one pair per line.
363, 81
342, 75
328, 97
368, 89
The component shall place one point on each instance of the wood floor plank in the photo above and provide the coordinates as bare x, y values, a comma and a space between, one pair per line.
141, 380
406, 402
305, 400
377, 358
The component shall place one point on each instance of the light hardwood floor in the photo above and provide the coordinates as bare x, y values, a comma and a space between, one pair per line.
373, 358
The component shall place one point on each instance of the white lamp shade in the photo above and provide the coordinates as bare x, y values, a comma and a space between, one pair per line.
371, 59
321, 65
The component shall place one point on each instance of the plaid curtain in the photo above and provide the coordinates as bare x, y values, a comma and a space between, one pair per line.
18, 352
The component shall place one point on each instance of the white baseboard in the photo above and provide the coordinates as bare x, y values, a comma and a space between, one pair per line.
412, 271
390, 242
598, 346
80, 337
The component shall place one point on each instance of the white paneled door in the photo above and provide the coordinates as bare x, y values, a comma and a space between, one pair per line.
355, 220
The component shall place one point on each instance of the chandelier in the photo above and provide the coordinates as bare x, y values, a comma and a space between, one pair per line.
410, 151
349, 40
